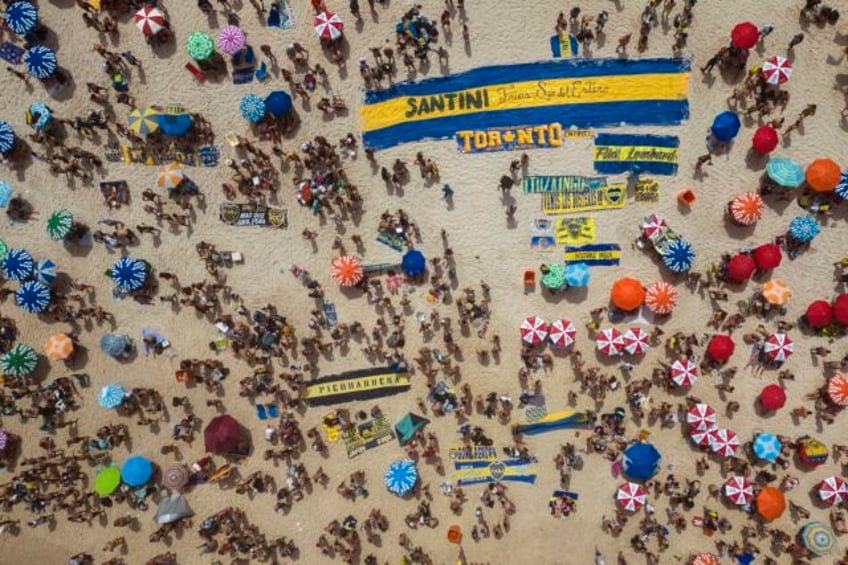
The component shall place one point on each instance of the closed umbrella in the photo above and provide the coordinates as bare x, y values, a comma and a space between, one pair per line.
776, 70
279, 103
231, 39
776, 292
678, 256
785, 172
252, 108
745, 35
778, 347
747, 208
129, 274
740, 268
45, 272
823, 175
347, 270
21, 17
169, 176
172, 508
7, 137
766, 447
401, 476
726, 126
562, 333
59, 224
661, 298
840, 309
627, 294
653, 226
17, 265
721, 347
6, 193
40, 62
223, 435
725, 443
767, 256
200, 46
631, 497
833, 490
533, 330
636, 341
39, 115
804, 229
554, 279
641, 461
111, 396
328, 26
700, 417
33, 297
765, 140
577, 274
19, 361
684, 372
136, 471
739, 490
4, 440
142, 121
150, 20
610, 342
818, 538
59, 347
413, 263
772, 397
115, 345
819, 314
837, 389
176, 477
107, 481
175, 124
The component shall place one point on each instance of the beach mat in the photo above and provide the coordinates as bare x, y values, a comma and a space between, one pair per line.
11, 53
244, 66
280, 15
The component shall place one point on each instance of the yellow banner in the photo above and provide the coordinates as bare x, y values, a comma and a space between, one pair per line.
356, 385
603, 198
640, 153
574, 231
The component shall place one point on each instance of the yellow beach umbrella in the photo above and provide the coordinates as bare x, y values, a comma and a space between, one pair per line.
142, 120
169, 176
776, 292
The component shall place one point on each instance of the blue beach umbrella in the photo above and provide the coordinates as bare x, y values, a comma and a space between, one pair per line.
401, 476
679, 256
175, 125
115, 345
33, 297
804, 229
725, 126
21, 17
278, 103
39, 115
45, 272
6, 193
841, 188
577, 274
129, 273
111, 396
641, 461
136, 471
413, 263
766, 447
7, 137
252, 108
17, 265
785, 171
40, 62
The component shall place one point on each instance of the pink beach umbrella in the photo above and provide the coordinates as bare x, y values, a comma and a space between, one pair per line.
534, 330
150, 20
328, 26
778, 347
562, 333
610, 342
637, 341
701, 417
631, 496
777, 70
725, 443
739, 490
231, 39
684, 372
703, 438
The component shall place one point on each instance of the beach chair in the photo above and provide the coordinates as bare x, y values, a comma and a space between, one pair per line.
196, 73
455, 534
529, 278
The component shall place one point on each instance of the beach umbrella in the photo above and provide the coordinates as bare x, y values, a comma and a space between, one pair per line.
33, 297
610, 341
40, 61
785, 172
200, 46
705, 437
745, 35
641, 461
684, 372
142, 121
115, 345
17, 265
39, 115
705, 559
653, 226
840, 309
111, 396
776, 292
222, 435
739, 490
726, 126
833, 490
150, 20
562, 333
347, 270
136, 471
636, 341
175, 124
837, 389
631, 497
172, 508
107, 481
59, 347
772, 397
176, 476
21, 17
766, 447
577, 274
231, 39
6, 193
721, 347
413, 263
776, 70
725, 443
627, 294
778, 347
19, 361
129, 274
678, 256
700, 417
252, 108
661, 298
279, 103
169, 176
823, 175
3, 249
804, 229
555, 277
7, 137
765, 140
819, 314
812, 452
740, 268
4, 440
45, 272
841, 188
747, 208
533, 330
767, 256
328, 25
401, 476
818, 538
59, 224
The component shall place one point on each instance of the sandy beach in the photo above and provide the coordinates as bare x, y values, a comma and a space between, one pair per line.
487, 246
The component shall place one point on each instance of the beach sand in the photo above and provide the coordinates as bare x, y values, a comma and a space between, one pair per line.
486, 248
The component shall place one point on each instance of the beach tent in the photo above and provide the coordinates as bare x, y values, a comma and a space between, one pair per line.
771, 503
408, 426
641, 461
171, 509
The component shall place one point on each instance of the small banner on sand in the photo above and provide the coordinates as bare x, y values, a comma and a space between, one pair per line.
248, 214
584, 199
599, 254
357, 385
652, 154
370, 434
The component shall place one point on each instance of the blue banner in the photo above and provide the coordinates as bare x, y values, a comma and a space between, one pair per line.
622, 153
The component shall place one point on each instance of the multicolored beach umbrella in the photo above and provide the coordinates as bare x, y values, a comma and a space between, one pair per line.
33, 297
19, 361
841, 188
818, 538
129, 273
142, 121
41, 62
17, 265
21, 17
679, 256
39, 115
59, 224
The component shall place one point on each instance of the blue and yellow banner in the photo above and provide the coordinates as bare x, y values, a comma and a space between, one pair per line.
561, 183
557, 421
471, 472
579, 93
564, 45
598, 254
622, 153
517, 138
584, 199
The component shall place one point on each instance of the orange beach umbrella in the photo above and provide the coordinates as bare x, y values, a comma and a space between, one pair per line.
823, 175
59, 347
627, 294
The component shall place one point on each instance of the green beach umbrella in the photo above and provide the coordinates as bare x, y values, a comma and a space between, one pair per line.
59, 224
107, 481
3, 248
19, 361
200, 46
555, 277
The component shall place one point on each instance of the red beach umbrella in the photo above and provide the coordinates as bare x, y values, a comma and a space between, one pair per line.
684, 372
562, 333
765, 140
631, 496
701, 417
767, 256
778, 347
837, 389
533, 330
745, 35
772, 397
840, 309
347, 270
739, 490
833, 490
740, 268
222, 435
819, 314
637, 341
721, 347
610, 341
726, 443
777, 70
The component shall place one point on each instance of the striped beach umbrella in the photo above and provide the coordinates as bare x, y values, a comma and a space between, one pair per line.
747, 208
142, 121
33, 297
776, 292
833, 490
150, 20
328, 26
841, 188
252, 108
739, 490
837, 389
401, 476
129, 274
725, 443
636, 341
21, 17
19, 361
3, 249
17, 264
661, 298
41, 62
610, 342
111, 395
778, 347
347, 270
631, 497
785, 172
653, 226
804, 229
200, 46
766, 447
703, 438
679, 256
577, 274
776, 70
533, 330
6, 193
684, 372
59, 347
562, 333
45, 272
7, 137
818, 538
59, 224
169, 176
701, 417
231, 39
176, 477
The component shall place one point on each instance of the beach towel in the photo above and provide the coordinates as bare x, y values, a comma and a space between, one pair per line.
557, 421
159, 340
244, 63
392, 240
11, 53
280, 15
564, 45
